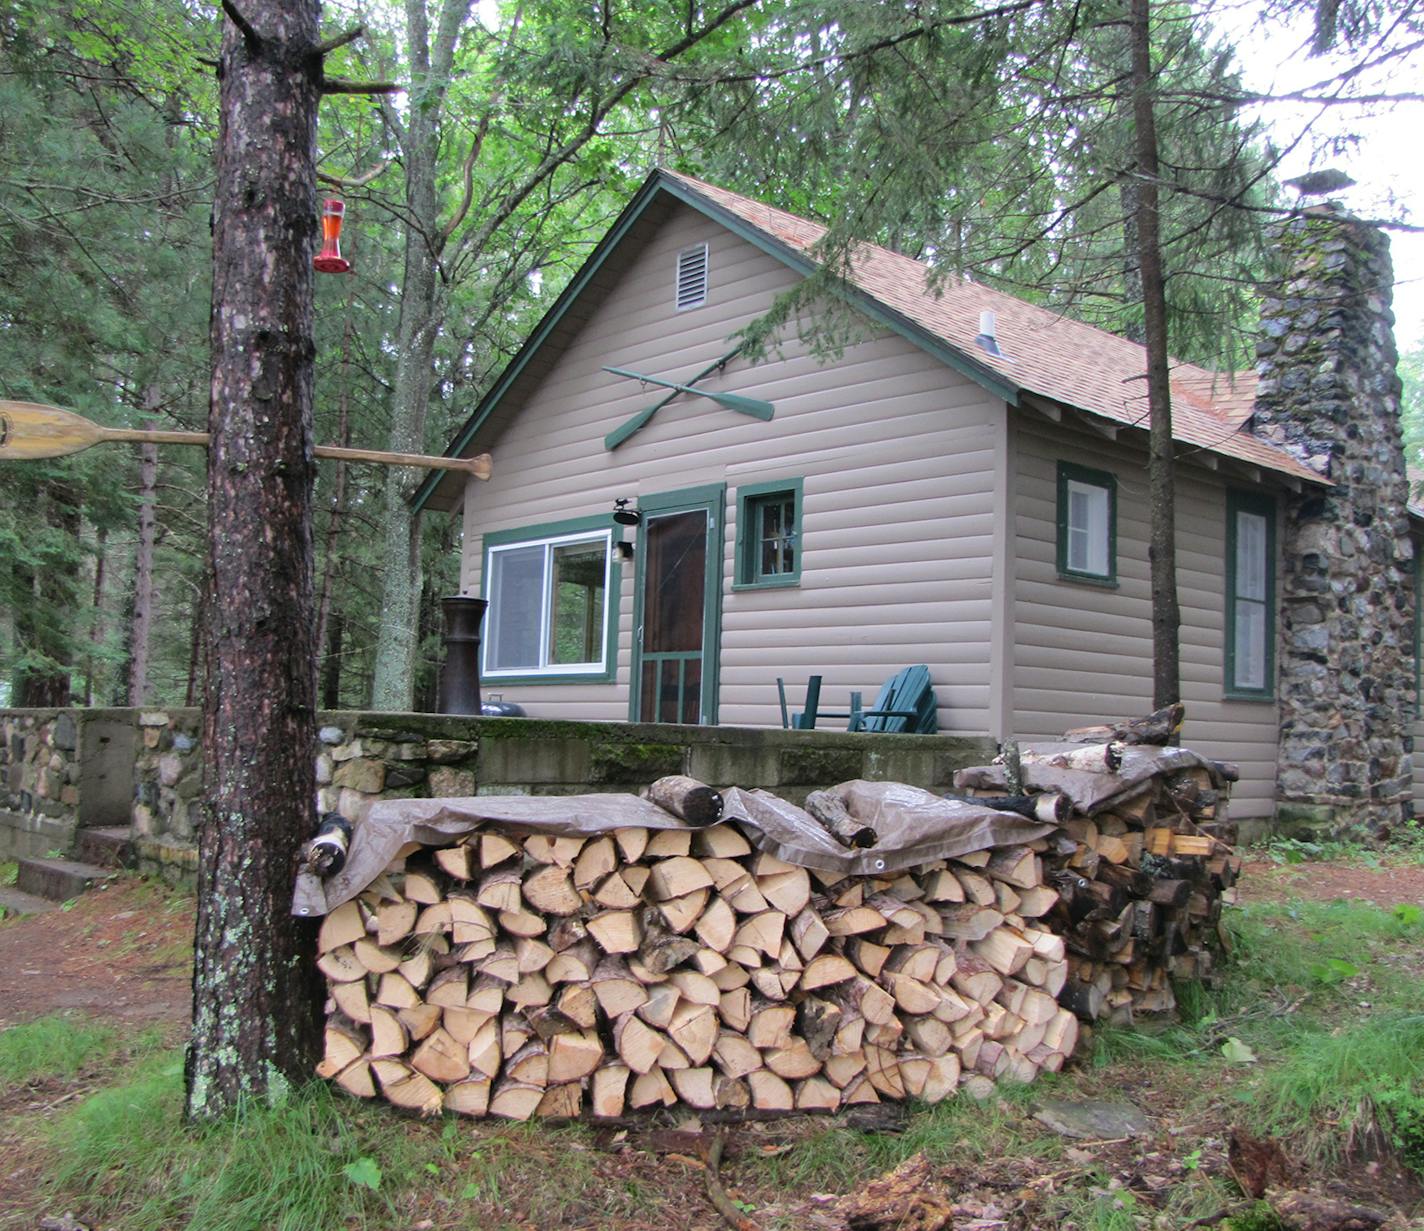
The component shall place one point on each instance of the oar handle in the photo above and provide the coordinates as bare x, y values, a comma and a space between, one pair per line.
480, 466
153, 438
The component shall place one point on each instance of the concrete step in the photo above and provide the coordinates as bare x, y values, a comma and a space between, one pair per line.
105, 847
58, 879
16, 902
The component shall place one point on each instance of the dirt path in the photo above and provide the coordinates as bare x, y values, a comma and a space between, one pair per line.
120, 953
1393, 883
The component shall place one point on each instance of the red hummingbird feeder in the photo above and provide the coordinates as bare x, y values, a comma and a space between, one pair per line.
329, 260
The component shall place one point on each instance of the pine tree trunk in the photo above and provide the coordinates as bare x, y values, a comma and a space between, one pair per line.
1166, 613
256, 998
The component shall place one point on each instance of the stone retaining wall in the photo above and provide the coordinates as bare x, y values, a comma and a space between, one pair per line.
59, 759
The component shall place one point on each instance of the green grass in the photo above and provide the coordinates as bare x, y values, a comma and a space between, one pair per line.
56, 1046
9, 872
318, 1161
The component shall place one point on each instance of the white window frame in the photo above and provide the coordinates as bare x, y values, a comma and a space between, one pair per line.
544, 667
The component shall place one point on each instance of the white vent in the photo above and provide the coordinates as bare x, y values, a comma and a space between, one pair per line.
692, 277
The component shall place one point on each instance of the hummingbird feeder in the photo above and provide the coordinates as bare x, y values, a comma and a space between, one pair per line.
329, 260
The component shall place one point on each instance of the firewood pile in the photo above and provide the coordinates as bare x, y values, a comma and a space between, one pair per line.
1139, 867
527, 974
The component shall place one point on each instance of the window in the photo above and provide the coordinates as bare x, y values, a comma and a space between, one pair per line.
548, 593
769, 534
692, 277
1087, 524
1250, 595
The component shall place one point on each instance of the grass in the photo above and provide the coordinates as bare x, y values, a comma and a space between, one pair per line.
9, 871
56, 1046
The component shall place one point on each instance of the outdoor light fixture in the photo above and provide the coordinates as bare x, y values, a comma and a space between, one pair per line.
329, 260
624, 549
625, 516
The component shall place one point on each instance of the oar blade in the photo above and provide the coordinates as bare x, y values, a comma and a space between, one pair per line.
31, 430
735, 401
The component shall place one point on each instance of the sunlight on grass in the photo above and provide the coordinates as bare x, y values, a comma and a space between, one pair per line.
55, 1046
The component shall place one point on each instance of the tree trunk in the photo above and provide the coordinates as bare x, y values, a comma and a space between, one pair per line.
256, 997
1166, 614
141, 630
96, 616
422, 310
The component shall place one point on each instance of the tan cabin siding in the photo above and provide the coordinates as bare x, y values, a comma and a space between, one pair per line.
897, 454
1083, 653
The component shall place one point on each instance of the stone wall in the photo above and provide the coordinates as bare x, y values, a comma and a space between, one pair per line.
1329, 393
60, 769
362, 757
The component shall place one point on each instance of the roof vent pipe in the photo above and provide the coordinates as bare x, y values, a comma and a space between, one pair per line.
988, 333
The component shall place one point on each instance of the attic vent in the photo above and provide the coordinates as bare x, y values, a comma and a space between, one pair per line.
692, 277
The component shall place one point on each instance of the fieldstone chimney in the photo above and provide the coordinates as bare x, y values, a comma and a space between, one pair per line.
1329, 393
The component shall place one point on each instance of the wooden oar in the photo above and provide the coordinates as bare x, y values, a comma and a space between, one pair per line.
755, 407
30, 430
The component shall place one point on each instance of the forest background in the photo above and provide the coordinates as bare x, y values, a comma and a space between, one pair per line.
995, 141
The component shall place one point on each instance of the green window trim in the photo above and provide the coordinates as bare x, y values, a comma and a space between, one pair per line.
755, 503
1069, 477
1239, 503
595, 529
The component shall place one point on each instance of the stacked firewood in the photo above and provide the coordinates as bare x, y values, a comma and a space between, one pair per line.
527, 974
1140, 868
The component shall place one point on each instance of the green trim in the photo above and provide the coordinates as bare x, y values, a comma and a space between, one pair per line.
1069, 472
549, 530
1249, 502
711, 498
750, 497
653, 187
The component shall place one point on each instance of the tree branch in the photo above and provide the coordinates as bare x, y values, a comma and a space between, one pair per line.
332, 44
356, 181
235, 16
336, 85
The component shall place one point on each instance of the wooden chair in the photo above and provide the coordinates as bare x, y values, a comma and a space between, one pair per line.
906, 704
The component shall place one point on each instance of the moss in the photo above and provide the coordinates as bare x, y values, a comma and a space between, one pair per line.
821, 766
633, 762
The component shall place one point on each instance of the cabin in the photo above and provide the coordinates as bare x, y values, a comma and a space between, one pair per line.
672, 524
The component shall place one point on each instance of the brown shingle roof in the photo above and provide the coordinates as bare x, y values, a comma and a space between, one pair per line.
1043, 352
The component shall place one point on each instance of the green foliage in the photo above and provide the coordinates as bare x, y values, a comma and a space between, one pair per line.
1259, 1217
56, 1046
9, 872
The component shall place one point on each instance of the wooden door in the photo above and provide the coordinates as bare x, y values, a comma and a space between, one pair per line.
675, 642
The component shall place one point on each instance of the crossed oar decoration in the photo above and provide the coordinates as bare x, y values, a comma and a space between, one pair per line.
31, 430
732, 401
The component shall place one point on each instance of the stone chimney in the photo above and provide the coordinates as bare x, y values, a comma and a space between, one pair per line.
1329, 393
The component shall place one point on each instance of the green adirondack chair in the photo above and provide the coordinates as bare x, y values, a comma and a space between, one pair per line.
906, 704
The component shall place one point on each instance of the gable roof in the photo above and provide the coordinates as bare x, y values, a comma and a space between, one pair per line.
1044, 355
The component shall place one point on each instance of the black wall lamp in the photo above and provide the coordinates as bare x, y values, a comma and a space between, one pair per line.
625, 516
